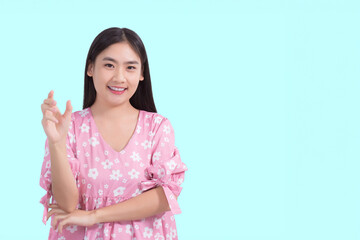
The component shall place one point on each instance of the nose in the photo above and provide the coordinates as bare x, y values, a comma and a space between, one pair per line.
119, 75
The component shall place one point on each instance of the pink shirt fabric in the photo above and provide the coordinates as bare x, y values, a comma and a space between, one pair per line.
105, 177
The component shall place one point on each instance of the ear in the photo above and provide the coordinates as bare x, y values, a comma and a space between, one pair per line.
90, 70
142, 75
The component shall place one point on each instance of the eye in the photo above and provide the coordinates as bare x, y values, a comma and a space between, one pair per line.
109, 65
131, 67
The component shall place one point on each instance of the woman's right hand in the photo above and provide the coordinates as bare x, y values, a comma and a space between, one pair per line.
55, 124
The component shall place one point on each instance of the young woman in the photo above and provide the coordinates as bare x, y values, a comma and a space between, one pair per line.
111, 170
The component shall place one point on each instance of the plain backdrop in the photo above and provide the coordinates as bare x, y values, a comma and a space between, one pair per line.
263, 97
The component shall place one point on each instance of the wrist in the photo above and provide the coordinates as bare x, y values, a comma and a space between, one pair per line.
96, 216
57, 144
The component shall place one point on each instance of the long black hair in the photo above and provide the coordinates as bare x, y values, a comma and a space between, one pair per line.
143, 97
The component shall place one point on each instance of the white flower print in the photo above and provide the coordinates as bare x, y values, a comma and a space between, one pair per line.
129, 229
48, 164
166, 129
138, 129
83, 181
135, 157
89, 186
122, 152
106, 186
87, 154
151, 134
116, 160
84, 144
146, 144
180, 181
97, 159
71, 137
137, 192
134, 174
157, 223
106, 152
147, 116
72, 228
161, 173
148, 232
100, 192
107, 164
159, 237
61, 238
115, 175
93, 141
47, 151
156, 156
171, 164
119, 229
84, 128
158, 119
119, 191
166, 139
93, 173
173, 232
84, 112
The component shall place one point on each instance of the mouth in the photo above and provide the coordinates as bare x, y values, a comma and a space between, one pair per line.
116, 89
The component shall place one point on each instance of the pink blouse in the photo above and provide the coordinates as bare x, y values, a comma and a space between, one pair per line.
105, 177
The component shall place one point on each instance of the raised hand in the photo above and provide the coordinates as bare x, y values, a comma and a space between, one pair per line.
55, 124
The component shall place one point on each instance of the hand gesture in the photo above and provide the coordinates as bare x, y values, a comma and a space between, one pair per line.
55, 124
61, 219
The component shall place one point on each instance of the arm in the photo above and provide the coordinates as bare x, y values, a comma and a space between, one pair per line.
147, 204
63, 183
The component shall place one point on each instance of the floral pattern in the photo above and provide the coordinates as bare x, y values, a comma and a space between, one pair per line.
105, 177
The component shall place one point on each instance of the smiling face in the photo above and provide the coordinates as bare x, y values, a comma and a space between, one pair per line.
116, 74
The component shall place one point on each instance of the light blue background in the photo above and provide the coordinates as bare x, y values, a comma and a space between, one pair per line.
263, 97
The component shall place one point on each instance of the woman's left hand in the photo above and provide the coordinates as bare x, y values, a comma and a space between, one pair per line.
77, 217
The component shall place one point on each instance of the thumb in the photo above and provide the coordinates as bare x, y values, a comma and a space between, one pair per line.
68, 109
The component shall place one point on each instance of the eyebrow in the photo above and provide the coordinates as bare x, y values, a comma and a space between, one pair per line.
113, 60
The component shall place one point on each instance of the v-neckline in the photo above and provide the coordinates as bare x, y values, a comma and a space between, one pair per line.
103, 140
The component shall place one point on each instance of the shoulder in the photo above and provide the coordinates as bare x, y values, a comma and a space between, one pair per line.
156, 122
154, 119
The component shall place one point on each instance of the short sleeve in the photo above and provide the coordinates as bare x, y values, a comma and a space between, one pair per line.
166, 168
45, 176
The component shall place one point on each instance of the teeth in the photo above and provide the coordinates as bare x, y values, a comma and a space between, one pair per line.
117, 89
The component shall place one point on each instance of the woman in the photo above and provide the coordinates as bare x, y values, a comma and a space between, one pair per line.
114, 171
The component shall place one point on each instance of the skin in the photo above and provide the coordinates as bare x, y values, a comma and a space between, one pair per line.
108, 108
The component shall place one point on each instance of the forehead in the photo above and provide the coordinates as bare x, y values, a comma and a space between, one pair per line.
120, 51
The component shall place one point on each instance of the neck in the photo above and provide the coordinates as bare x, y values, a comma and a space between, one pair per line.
115, 112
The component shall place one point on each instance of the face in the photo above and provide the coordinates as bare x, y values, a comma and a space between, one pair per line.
118, 66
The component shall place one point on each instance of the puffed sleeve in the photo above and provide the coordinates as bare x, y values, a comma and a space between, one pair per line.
166, 168
45, 176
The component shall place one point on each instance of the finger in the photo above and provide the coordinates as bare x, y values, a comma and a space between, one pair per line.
63, 223
51, 94
54, 211
45, 107
56, 219
49, 117
68, 109
50, 101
